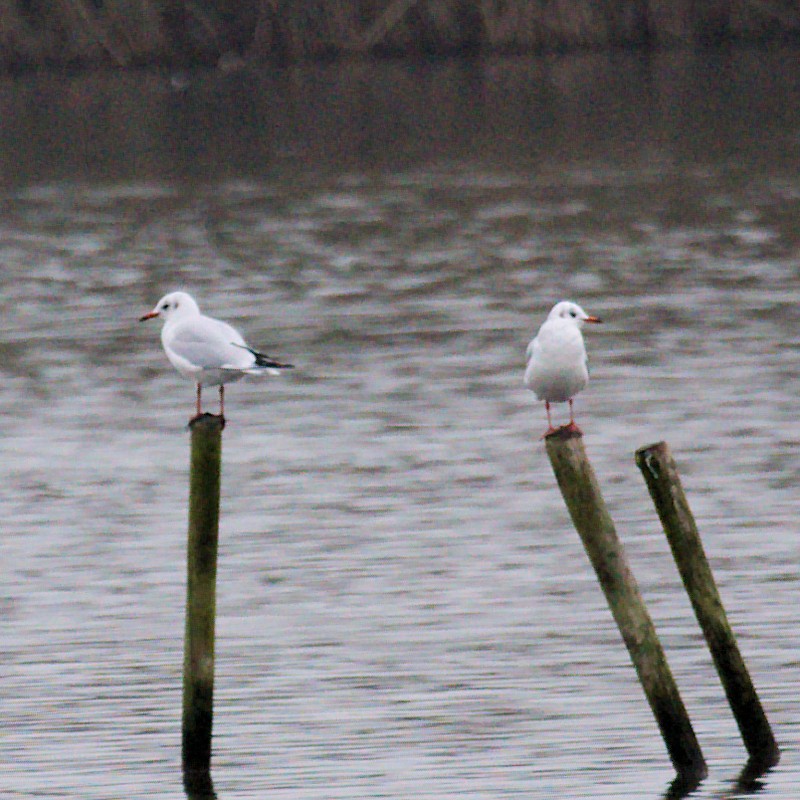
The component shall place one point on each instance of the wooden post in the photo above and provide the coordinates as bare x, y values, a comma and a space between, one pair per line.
198, 785
578, 485
198, 659
662, 479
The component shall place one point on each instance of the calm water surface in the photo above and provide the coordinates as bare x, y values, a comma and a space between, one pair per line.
404, 607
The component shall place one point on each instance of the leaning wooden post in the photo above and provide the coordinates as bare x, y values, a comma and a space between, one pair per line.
662, 479
578, 485
198, 657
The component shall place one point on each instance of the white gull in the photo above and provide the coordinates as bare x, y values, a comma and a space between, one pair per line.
557, 365
208, 351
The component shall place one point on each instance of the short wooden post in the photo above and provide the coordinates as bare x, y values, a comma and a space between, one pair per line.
198, 659
662, 479
590, 516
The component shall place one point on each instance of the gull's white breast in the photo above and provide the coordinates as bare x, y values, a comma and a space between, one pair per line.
557, 365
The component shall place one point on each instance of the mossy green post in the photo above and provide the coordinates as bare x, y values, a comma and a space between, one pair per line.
589, 513
663, 482
201, 591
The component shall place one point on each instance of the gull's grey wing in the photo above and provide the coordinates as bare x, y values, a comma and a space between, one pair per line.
212, 344
533, 347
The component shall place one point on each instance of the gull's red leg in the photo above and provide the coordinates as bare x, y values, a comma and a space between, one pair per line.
572, 425
550, 428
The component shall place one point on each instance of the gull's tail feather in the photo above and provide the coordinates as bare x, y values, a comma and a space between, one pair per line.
264, 362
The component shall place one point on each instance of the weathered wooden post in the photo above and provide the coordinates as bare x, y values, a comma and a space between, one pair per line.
662, 479
201, 590
589, 513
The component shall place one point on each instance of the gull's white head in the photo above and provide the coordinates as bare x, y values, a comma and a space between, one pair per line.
570, 312
172, 305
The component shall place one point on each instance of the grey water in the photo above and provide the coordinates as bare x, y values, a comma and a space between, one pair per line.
404, 609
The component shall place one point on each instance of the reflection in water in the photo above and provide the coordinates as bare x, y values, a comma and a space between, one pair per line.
752, 779
198, 785
683, 786
404, 609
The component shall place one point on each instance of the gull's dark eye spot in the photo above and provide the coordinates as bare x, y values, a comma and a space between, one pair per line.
573, 314
165, 307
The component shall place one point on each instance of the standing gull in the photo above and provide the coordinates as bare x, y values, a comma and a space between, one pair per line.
206, 350
557, 365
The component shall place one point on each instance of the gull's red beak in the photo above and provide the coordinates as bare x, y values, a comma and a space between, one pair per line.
148, 315
593, 319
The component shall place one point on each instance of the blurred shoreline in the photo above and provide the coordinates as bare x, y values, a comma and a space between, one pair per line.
119, 125
175, 34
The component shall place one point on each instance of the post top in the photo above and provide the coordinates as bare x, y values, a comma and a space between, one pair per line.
564, 433
207, 421
652, 448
